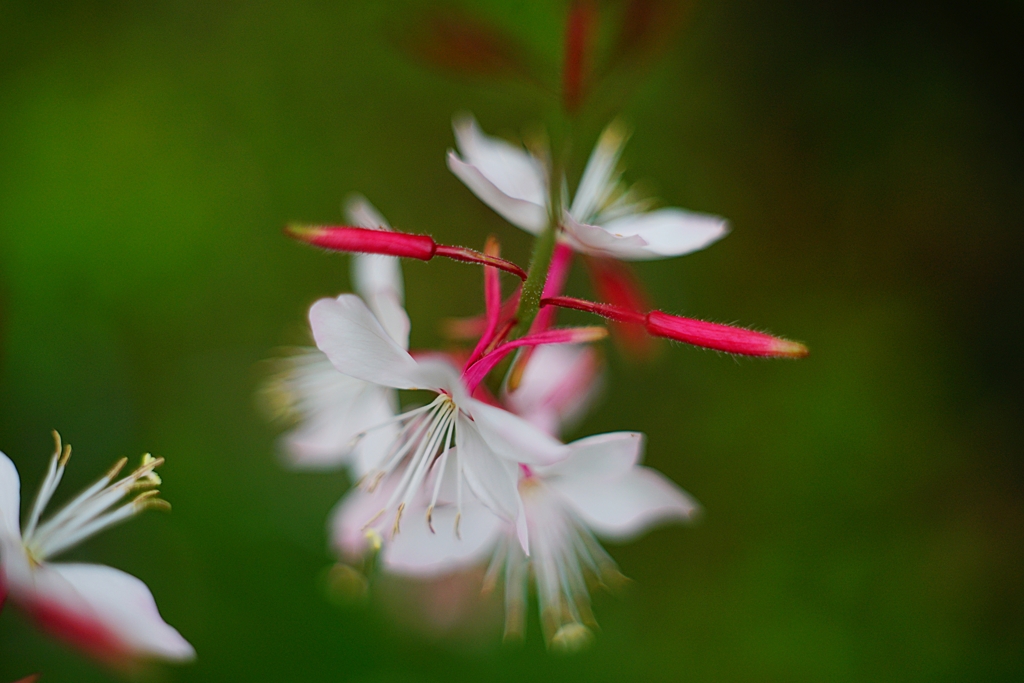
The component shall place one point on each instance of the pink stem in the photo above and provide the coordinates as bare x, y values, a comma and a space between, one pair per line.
492, 303
475, 373
471, 256
558, 273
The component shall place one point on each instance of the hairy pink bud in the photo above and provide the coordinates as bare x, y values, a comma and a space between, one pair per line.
391, 243
716, 336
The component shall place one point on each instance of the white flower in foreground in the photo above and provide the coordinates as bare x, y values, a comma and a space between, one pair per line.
333, 408
604, 219
489, 442
109, 614
600, 489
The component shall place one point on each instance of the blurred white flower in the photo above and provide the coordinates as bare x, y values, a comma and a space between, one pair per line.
600, 489
332, 408
489, 442
106, 612
605, 217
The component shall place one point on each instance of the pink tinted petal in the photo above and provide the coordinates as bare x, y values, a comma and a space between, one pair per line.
108, 613
530, 216
513, 438
350, 335
10, 497
596, 241
418, 551
557, 387
620, 508
670, 232
347, 522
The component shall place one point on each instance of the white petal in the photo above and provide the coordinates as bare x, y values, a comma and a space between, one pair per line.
509, 167
513, 438
597, 458
531, 217
350, 335
558, 386
390, 312
418, 551
378, 279
325, 438
361, 213
624, 507
104, 610
493, 480
599, 176
10, 497
596, 241
670, 232
347, 522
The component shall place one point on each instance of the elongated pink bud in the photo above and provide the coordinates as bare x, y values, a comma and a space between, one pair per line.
391, 243
365, 241
716, 336
722, 337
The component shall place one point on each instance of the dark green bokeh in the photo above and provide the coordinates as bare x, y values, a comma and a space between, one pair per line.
864, 516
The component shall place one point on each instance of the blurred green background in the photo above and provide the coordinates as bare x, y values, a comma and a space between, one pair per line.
864, 517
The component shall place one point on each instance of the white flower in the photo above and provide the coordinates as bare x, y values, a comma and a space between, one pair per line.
488, 441
106, 612
600, 489
333, 408
604, 219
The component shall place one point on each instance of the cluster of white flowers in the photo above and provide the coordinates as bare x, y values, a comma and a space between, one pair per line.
474, 476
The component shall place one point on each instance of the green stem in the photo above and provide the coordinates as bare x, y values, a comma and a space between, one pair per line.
529, 299
544, 247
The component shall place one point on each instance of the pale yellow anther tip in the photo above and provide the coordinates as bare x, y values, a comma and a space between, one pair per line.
376, 542
571, 638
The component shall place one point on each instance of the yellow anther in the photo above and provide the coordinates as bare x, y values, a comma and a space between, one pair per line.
571, 637
430, 516
374, 518
151, 477
375, 540
398, 519
118, 466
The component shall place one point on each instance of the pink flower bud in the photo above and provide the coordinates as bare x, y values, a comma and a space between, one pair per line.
365, 241
715, 336
391, 243
722, 337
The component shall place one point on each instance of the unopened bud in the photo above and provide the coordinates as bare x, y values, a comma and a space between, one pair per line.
392, 243
707, 335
